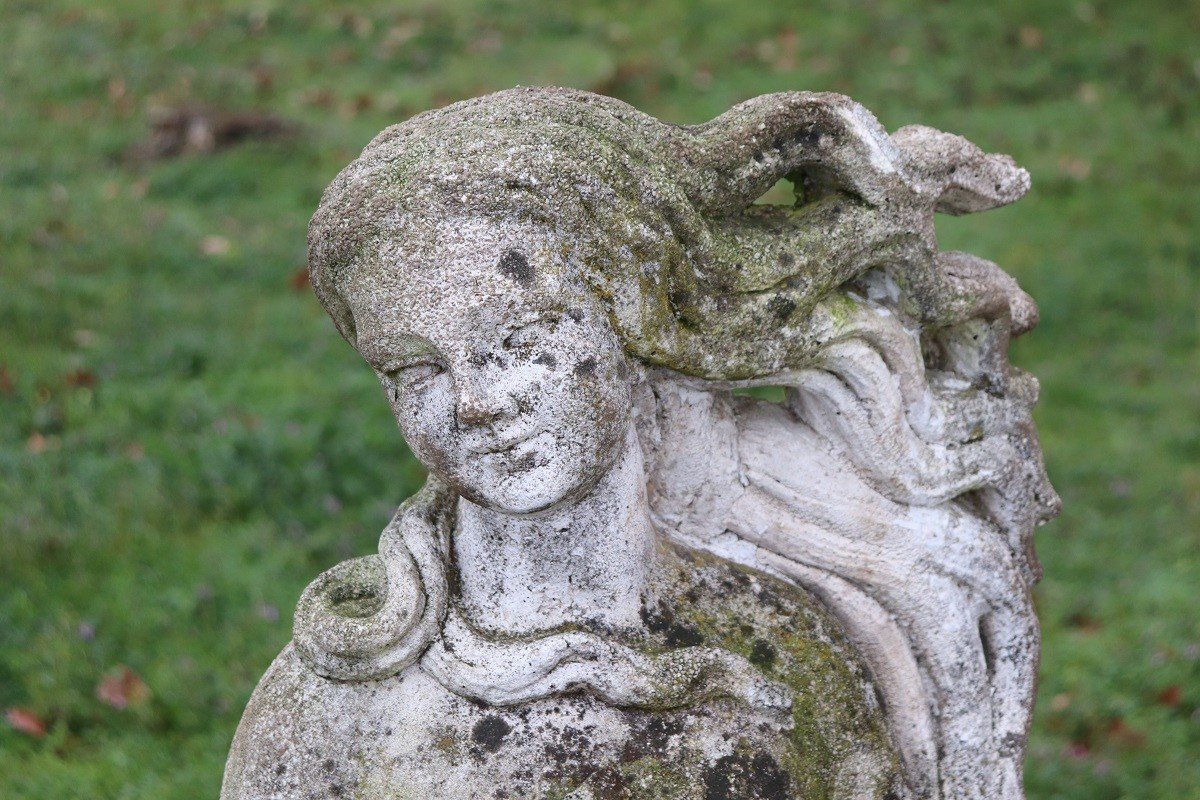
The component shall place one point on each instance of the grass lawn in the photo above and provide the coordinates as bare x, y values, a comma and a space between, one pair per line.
185, 442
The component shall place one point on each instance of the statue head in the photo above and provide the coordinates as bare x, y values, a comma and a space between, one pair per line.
499, 260
504, 374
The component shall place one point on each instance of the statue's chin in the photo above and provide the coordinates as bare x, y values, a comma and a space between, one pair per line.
532, 491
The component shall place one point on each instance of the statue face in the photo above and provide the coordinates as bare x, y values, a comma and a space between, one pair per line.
507, 383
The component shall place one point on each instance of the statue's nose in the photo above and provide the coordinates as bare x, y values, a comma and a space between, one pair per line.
482, 404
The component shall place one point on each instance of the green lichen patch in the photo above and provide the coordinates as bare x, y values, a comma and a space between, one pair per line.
837, 726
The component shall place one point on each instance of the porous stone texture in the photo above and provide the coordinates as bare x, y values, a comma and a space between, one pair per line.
412, 736
623, 579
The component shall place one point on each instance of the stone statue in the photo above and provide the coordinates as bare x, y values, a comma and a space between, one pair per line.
624, 579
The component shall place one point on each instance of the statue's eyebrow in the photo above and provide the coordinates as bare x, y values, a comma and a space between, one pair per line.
533, 317
406, 350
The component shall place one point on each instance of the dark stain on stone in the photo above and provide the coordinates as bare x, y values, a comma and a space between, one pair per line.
658, 733
769, 598
786, 259
515, 265
782, 307
762, 654
738, 777
678, 299
546, 360
607, 783
586, 367
677, 634
489, 733
735, 580
651, 738
808, 136
527, 462
684, 636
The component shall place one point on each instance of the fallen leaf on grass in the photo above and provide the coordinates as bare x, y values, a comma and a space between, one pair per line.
1120, 732
1084, 622
194, 129
26, 722
1031, 37
1170, 696
122, 688
299, 280
214, 246
80, 379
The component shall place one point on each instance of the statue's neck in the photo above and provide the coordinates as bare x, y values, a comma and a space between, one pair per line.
589, 561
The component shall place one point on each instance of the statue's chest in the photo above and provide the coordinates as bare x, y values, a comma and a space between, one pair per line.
411, 738
415, 740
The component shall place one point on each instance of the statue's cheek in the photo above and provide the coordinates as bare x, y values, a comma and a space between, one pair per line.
428, 422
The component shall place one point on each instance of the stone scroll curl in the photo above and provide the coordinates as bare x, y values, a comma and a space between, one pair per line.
626, 577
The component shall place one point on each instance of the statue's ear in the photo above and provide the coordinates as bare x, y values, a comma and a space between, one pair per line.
963, 178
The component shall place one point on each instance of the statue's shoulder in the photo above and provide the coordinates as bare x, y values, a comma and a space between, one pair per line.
282, 732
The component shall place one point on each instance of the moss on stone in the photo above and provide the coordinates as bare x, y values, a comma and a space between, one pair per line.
836, 723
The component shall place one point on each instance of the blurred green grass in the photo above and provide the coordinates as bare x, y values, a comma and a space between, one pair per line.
184, 442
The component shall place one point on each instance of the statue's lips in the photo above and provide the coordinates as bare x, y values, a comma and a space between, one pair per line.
506, 444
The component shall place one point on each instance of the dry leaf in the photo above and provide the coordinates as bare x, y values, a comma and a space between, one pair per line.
196, 129
1170, 696
214, 246
1119, 731
122, 688
80, 379
26, 722
1031, 37
299, 280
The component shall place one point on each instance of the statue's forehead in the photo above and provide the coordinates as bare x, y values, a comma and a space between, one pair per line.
454, 279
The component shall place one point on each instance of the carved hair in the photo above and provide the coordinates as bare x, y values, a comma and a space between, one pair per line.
659, 217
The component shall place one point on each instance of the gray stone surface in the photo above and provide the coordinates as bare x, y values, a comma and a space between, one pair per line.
623, 580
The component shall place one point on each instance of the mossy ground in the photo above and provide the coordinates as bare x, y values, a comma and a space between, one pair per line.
185, 442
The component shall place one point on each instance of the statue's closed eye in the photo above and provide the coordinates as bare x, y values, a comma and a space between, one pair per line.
525, 338
415, 375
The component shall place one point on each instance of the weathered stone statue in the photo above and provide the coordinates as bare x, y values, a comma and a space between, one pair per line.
622, 580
